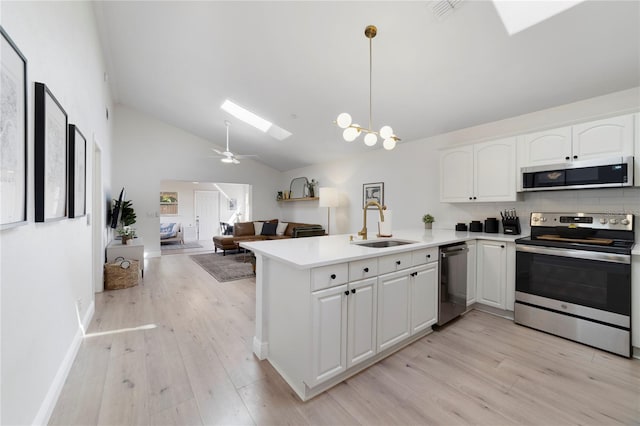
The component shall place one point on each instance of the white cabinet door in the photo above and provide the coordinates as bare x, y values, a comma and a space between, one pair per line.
329, 333
546, 147
495, 170
603, 138
456, 175
361, 314
492, 273
471, 273
424, 297
393, 309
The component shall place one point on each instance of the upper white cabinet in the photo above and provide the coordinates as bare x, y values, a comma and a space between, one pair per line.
611, 137
480, 172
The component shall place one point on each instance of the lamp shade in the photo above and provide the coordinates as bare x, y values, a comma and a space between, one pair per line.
328, 197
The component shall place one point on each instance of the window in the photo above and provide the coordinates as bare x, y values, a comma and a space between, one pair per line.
168, 203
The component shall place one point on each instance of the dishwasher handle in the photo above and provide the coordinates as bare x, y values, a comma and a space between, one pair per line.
454, 252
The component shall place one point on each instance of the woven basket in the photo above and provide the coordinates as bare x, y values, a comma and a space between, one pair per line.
121, 274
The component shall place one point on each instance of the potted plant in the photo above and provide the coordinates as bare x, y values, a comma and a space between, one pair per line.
428, 221
127, 218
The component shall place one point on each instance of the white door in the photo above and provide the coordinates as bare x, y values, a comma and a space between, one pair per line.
393, 309
603, 138
329, 333
96, 215
492, 273
207, 212
546, 147
424, 297
362, 302
494, 170
456, 175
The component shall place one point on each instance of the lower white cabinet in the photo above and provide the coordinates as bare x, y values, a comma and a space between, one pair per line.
491, 278
424, 297
329, 343
407, 303
393, 309
361, 316
471, 273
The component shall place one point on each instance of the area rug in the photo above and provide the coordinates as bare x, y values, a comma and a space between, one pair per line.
225, 268
169, 247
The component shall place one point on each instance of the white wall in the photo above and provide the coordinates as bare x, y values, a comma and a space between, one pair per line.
46, 267
186, 200
148, 151
411, 175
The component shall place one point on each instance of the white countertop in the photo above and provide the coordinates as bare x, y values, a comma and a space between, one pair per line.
304, 253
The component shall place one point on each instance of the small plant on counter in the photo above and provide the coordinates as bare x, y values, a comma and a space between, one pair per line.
428, 221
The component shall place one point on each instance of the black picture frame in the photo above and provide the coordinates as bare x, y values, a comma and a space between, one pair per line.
13, 134
77, 179
50, 154
372, 191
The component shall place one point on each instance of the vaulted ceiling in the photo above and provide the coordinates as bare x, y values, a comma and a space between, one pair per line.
299, 64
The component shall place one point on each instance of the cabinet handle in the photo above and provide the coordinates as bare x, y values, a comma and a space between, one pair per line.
366, 269
475, 198
470, 198
346, 293
567, 158
353, 291
333, 276
575, 157
502, 246
398, 262
428, 256
413, 274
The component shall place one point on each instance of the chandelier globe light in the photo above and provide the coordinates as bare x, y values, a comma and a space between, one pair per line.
352, 130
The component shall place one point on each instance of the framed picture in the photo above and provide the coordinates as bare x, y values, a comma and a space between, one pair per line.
50, 140
233, 203
77, 172
372, 192
13, 134
168, 203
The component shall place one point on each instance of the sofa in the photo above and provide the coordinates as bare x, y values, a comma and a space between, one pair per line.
260, 230
171, 233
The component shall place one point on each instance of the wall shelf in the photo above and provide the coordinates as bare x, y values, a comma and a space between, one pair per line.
299, 199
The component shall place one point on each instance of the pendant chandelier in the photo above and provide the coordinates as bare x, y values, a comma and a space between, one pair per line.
351, 130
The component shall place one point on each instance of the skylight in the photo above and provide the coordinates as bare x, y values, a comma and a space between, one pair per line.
518, 15
246, 116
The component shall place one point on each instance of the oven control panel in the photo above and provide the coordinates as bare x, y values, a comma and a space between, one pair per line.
613, 221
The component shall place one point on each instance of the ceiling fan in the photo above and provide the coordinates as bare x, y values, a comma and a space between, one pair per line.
227, 156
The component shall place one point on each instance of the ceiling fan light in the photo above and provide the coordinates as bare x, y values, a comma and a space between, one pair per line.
343, 120
227, 160
370, 139
386, 132
350, 134
389, 144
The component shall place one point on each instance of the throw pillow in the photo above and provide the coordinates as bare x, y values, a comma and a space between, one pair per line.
168, 230
269, 228
282, 226
257, 227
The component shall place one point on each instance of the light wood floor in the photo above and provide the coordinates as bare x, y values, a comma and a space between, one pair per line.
197, 368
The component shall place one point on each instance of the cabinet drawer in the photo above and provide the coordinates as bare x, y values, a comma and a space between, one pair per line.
329, 276
420, 257
361, 269
394, 262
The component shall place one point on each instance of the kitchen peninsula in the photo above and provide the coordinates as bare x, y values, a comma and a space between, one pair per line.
328, 307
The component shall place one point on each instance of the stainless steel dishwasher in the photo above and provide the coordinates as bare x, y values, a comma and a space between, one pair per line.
452, 294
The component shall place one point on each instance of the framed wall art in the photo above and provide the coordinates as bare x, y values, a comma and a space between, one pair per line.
372, 192
233, 203
50, 140
77, 165
13, 134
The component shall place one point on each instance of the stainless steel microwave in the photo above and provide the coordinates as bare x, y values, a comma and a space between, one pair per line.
602, 173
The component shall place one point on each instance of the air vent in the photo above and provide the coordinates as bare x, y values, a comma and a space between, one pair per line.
443, 8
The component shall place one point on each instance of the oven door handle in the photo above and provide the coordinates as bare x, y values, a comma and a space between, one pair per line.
579, 254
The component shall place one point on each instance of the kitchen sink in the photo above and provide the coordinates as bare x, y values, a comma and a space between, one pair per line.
384, 243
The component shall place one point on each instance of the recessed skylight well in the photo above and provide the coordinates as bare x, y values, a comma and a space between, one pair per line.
247, 116
520, 15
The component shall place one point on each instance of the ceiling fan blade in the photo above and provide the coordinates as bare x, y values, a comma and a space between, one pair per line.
245, 155
235, 161
217, 151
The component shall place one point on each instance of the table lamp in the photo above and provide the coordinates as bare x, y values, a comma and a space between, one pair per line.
328, 198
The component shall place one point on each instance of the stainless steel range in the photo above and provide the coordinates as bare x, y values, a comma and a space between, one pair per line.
573, 278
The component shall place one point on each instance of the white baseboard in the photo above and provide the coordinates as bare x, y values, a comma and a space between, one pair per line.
260, 349
50, 400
